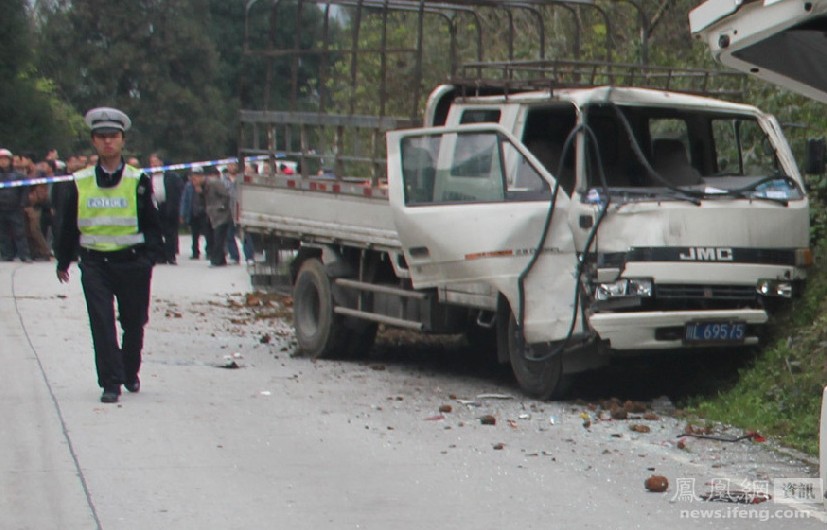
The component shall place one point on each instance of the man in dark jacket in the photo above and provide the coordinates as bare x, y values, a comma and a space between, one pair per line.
217, 197
110, 221
194, 212
166, 189
12, 222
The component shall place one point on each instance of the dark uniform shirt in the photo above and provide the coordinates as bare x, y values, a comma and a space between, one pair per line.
67, 245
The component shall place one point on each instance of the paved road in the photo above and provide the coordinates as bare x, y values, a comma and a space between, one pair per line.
283, 442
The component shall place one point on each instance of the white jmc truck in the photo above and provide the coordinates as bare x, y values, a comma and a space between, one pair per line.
556, 212
782, 42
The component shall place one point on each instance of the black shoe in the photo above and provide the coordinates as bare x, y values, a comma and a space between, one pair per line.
172, 262
134, 387
196, 256
110, 395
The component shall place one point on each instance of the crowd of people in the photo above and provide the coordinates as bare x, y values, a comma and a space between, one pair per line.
203, 200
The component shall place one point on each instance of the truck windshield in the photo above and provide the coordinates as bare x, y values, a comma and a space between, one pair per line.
696, 150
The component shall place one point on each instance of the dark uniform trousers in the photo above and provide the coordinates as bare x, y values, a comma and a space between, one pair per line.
122, 276
169, 229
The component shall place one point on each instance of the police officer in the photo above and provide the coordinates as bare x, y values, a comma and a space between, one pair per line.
110, 222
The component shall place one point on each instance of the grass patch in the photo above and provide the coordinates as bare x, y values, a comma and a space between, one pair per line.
779, 392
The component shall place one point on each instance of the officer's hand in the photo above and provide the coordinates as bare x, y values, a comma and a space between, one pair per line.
63, 276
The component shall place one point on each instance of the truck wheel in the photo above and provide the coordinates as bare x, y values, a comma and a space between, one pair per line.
319, 331
539, 379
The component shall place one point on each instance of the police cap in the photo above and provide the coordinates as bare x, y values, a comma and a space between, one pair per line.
107, 120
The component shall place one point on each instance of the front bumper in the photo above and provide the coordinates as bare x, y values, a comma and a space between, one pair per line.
656, 330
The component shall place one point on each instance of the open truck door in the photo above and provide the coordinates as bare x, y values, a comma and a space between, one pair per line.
779, 41
782, 42
471, 205
483, 222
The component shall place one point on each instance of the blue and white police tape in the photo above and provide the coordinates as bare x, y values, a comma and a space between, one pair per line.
148, 170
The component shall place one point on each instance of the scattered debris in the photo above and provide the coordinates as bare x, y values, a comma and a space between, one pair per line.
265, 393
705, 436
635, 407
694, 430
265, 339
494, 396
657, 483
378, 367
254, 300
445, 408
229, 362
542, 453
438, 417
499, 446
619, 413
639, 427
488, 419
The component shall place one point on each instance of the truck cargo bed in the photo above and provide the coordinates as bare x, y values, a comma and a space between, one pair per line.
318, 210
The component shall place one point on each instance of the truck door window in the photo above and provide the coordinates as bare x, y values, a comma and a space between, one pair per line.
480, 116
419, 156
742, 148
476, 170
482, 167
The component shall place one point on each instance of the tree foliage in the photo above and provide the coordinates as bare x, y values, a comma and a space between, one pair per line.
34, 118
180, 68
154, 59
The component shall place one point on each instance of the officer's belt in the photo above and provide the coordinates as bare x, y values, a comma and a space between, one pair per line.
126, 254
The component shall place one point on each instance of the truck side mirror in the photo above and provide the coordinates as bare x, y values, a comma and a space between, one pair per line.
816, 150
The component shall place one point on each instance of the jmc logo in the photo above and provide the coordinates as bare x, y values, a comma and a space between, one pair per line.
707, 254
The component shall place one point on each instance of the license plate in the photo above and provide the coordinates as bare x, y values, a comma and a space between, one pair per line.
715, 332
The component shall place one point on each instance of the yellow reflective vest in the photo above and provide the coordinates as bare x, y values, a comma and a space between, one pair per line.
108, 217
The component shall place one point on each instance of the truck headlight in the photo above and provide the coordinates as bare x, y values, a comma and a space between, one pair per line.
772, 287
624, 287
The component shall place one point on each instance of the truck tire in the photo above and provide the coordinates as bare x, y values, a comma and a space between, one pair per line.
319, 331
539, 379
